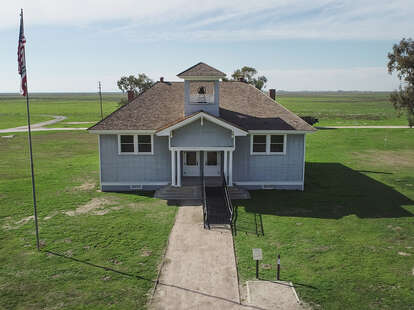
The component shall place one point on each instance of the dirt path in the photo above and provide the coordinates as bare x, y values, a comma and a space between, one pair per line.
356, 127
40, 126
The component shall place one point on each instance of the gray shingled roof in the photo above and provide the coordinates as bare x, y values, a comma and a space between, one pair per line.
201, 69
240, 104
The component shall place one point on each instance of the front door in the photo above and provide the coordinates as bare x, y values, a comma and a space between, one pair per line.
191, 164
212, 164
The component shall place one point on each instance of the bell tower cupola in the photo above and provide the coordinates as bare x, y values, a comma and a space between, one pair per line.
201, 89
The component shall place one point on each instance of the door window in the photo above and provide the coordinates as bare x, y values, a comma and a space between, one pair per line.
211, 159
191, 159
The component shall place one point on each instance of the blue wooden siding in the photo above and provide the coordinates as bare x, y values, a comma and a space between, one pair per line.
134, 169
195, 135
270, 168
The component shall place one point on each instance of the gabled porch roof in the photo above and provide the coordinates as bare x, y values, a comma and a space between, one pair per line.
166, 130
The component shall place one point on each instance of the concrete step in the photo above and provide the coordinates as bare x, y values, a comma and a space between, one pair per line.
238, 193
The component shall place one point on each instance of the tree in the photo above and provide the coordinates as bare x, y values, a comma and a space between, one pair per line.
249, 75
135, 84
401, 60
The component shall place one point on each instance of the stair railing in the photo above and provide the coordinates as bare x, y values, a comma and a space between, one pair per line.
228, 201
204, 200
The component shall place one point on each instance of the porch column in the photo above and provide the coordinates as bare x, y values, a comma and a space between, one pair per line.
231, 168
225, 166
179, 168
173, 169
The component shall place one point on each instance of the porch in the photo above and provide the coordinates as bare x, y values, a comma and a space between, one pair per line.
189, 164
192, 186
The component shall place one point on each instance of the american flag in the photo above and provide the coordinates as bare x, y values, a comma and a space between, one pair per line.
21, 58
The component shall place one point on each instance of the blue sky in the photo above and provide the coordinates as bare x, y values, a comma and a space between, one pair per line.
298, 45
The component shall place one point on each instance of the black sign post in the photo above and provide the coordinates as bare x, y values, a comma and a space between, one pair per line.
257, 255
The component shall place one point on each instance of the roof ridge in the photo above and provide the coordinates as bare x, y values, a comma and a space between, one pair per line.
207, 67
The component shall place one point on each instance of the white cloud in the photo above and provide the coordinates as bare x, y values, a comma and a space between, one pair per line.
224, 20
364, 79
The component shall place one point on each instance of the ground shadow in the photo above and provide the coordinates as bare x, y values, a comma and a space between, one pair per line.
251, 223
332, 191
156, 282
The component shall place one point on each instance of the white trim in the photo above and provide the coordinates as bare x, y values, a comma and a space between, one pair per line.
237, 131
100, 163
201, 78
304, 161
225, 166
276, 132
135, 152
269, 183
122, 132
173, 162
132, 183
179, 168
268, 143
231, 168
202, 148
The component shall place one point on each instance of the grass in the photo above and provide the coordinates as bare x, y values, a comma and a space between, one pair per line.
331, 108
77, 107
347, 241
343, 108
129, 235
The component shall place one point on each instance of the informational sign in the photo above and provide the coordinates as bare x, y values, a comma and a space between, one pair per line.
257, 254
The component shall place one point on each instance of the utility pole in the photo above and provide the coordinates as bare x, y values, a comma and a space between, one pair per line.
100, 97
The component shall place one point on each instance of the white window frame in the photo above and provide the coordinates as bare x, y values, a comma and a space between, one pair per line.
268, 139
136, 144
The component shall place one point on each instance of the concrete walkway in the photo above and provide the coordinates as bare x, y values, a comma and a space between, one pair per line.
40, 126
356, 127
199, 270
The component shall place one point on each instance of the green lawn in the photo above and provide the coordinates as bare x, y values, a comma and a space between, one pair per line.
124, 232
332, 108
343, 108
76, 107
347, 241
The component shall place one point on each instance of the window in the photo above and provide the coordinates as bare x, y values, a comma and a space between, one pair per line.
191, 159
211, 159
277, 143
135, 144
268, 144
259, 144
144, 144
127, 144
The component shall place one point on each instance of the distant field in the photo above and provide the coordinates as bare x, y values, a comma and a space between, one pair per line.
76, 107
343, 108
331, 108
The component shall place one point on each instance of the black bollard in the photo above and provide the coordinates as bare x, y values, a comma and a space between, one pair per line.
278, 268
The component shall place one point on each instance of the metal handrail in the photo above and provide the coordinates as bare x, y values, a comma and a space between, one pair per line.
204, 200
228, 200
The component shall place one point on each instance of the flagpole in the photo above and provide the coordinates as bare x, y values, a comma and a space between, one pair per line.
32, 170
31, 156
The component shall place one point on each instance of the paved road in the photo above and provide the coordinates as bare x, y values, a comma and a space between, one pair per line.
40, 126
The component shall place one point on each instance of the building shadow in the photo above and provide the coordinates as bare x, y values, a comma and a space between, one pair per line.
332, 191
